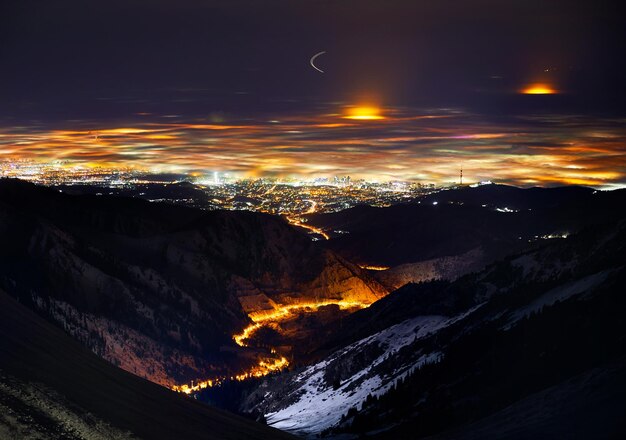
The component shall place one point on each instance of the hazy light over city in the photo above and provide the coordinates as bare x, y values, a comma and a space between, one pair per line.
539, 89
404, 144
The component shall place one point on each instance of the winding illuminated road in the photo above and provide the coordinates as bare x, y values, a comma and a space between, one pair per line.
284, 312
298, 222
267, 364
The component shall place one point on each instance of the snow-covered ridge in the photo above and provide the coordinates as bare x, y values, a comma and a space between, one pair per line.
314, 403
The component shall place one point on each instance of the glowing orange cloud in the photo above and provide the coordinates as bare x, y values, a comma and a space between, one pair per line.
539, 89
365, 113
430, 147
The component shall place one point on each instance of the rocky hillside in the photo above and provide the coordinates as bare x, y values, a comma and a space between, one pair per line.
536, 339
158, 289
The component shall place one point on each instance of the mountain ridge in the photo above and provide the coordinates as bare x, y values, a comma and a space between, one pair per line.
156, 288
414, 379
61, 387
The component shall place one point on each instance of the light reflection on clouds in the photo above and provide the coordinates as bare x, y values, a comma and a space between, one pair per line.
405, 145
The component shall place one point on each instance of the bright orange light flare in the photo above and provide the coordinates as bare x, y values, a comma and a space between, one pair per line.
364, 113
539, 89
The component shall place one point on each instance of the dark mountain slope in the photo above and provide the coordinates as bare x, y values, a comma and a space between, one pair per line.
589, 405
160, 289
180, 193
590, 251
514, 339
573, 350
51, 387
512, 197
465, 230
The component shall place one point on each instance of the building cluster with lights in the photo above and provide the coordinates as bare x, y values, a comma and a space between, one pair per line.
302, 197
290, 197
63, 173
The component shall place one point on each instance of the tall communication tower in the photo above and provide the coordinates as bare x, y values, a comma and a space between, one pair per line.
461, 177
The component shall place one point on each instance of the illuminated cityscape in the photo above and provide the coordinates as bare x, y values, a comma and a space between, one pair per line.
289, 196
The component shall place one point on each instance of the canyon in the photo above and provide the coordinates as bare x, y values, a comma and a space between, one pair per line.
163, 291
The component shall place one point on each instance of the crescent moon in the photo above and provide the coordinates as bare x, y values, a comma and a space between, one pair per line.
312, 61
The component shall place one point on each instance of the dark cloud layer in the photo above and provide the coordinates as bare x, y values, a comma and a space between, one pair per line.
69, 58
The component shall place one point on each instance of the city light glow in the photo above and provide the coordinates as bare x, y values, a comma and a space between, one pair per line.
418, 146
366, 113
539, 89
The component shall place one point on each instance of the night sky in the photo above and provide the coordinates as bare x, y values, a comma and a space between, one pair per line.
227, 86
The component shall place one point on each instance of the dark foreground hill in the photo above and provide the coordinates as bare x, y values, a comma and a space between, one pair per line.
52, 387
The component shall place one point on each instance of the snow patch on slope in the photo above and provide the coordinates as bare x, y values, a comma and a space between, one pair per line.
312, 404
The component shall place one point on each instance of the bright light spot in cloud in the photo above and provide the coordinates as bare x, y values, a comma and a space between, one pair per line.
539, 89
364, 113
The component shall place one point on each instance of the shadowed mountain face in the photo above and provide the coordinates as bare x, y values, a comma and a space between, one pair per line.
530, 347
159, 289
453, 232
52, 387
